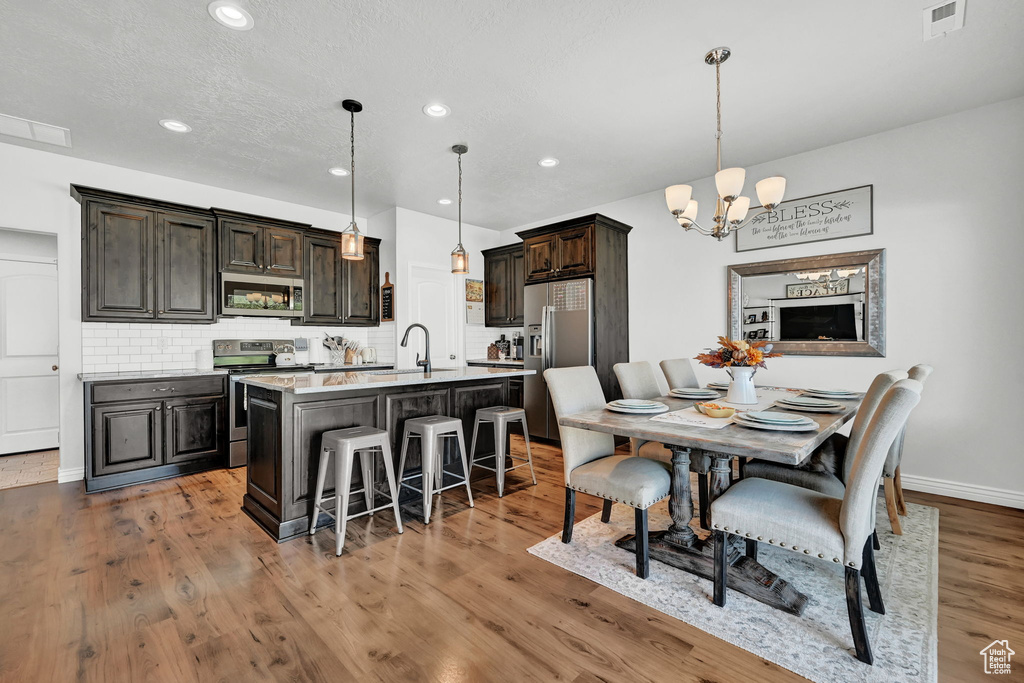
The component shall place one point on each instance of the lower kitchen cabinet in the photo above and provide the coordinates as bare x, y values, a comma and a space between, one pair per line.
515, 392
134, 434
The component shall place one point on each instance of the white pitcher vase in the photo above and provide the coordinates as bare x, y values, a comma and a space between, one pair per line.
741, 388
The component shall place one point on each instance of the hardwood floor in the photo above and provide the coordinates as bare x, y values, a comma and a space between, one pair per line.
172, 582
24, 469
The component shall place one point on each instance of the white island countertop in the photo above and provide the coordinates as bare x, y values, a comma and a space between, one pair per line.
323, 382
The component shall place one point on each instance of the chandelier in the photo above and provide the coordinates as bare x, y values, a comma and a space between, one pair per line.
730, 207
351, 238
460, 259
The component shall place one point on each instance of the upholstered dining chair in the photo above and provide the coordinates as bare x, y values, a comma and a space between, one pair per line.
679, 373
591, 465
818, 525
892, 482
640, 380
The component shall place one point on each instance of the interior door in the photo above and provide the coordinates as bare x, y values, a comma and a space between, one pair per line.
29, 384
432, 304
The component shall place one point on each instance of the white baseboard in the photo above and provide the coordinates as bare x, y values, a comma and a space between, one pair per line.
65, 475
953, 489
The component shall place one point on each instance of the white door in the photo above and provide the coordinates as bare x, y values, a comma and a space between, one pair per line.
432, 304
29, 384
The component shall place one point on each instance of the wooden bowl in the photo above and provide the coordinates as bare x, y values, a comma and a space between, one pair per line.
714, 412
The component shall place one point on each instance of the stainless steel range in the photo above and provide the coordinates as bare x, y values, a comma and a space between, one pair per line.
250, 357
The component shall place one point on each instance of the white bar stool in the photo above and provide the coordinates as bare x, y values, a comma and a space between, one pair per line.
343, 444
430, 430
500, 417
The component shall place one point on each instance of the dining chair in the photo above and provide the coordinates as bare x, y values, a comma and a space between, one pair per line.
639, 380
679, 373
892, 482
591, 466
814, 524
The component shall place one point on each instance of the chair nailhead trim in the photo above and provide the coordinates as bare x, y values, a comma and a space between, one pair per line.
853, 564
760, 538
771, 540
835, 559
782, 545
806, 551
795, 548
725, 528
820, 556
748, 534
716, 526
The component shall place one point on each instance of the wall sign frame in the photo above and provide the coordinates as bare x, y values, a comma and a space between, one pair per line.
817, 218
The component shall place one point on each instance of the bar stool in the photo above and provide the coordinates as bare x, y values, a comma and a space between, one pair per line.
430, 430
343, 444
500, 417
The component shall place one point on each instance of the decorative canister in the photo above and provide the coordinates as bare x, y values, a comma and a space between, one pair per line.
741, 386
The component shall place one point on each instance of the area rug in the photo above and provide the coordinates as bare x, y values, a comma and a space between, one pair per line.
818, 645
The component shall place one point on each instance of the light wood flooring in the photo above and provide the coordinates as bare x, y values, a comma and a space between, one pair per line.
172, 582
24, 469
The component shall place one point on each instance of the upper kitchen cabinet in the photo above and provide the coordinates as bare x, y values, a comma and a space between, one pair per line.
504, 279
561, 251
361, 287
337, 290
257, 245
145, 261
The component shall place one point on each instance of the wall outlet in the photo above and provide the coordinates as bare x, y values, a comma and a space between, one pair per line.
162, 342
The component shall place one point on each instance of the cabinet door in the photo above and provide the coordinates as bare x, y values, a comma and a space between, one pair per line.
322, 295
241, 247
516, 289
575, 251
187, 269
118, 263
361, 291
194, 428
284, 252
497, 280
540, 258
515, 392
126, 437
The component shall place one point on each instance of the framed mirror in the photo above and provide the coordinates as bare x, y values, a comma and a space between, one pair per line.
831, 305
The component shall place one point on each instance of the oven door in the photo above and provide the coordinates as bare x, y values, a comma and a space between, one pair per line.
259, 295
237, 408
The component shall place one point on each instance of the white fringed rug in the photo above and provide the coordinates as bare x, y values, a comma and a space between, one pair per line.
818, 645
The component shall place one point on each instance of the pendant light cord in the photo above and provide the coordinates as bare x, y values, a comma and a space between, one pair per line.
352, 162
460, 200
718, 112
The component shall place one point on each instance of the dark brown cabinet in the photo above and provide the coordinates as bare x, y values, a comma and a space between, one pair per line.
361, 287
143, 264
339, 291
565, 253
323, 281
251, 244
503, 286
152, 429
515, 392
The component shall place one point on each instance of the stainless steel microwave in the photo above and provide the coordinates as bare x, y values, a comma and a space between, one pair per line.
260, 295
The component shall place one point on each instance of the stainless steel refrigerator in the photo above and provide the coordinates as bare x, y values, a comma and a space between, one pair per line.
559, 333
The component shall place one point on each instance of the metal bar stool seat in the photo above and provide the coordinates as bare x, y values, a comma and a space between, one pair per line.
500, 417
344, 444
430, 429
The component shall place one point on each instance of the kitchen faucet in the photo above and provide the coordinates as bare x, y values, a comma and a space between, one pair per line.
425, 363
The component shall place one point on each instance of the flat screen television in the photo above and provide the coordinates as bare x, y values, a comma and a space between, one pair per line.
836, 322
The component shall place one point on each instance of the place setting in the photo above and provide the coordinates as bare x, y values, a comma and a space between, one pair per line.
779, 422
840, 394
636, 406
805, 404
694, 393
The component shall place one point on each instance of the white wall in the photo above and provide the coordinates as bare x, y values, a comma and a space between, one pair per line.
945, 198
35, 189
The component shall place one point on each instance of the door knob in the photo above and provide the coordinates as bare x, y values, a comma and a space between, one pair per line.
451, 357
55, 368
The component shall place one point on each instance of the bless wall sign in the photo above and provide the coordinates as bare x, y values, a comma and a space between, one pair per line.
829, 216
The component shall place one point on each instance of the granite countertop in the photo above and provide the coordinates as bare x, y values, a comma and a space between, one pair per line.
350, 367
146, 374
322, 382
515, 362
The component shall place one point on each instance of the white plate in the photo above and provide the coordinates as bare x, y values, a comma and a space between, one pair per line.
754, 424
809, 409
718, 385
637, 411
778, 418
695, 393
805, 401
832, 396
835, 392
636, 403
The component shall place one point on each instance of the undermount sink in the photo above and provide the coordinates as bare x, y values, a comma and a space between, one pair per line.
418, 371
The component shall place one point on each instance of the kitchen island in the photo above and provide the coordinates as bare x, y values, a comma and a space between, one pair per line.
289, 413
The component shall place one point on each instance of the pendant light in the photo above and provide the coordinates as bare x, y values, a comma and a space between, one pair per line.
351, 238
460, 260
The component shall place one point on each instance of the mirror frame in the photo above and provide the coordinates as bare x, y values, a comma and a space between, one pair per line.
874, 324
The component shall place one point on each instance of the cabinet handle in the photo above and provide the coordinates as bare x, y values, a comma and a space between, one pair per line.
161, 312
149, 310
159, 408
166, 389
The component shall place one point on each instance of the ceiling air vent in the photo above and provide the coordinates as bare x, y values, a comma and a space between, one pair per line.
33, 130
943, 18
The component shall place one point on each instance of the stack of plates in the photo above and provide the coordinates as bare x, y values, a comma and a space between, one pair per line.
637, 406
695, 394
832, 393
780, 422
809, 405
718, 385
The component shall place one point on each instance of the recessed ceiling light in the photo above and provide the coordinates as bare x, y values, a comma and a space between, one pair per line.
175, 126
338, 170
231, 15
444, 202
548, 162
436, 110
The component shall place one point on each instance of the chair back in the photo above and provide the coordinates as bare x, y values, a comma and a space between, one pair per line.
637, 379
920, 373
679, 373
872, 398
575, 390
856, 517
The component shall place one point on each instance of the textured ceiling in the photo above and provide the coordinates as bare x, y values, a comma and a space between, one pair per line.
618, 91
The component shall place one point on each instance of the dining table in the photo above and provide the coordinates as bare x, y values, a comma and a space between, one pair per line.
679, 545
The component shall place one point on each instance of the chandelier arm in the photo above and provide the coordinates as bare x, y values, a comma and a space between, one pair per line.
699, 228
750, 218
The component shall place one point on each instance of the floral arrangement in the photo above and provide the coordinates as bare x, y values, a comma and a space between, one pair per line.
738, 353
